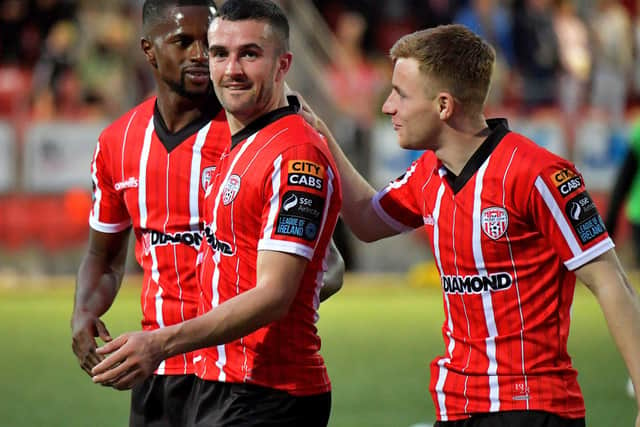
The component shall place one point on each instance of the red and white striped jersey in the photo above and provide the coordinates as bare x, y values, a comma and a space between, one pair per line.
155, 181
276, 189
506, 235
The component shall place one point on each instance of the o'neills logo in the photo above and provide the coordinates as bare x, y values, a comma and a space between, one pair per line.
129, 183
154, 238
476, 284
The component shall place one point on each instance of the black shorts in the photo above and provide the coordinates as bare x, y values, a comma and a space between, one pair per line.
514, 419
219, 404
161, 401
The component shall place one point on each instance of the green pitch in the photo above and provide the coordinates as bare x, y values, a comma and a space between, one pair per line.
377, 342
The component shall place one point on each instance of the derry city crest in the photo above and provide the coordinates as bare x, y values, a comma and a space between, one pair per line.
231, 188
494, 222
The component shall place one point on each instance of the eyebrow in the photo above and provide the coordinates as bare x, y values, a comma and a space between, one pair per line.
217, 47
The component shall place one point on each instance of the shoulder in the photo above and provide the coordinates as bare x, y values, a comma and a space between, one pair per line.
528, 157
137, 116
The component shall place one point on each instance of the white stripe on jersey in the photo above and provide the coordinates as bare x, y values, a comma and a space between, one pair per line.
94, 221
160, 320
124, 145
558, 216
580, 257
195, 178
142, 181
326, 205
384, 216
287, 247
97, 192
492, 330
442, 373
590, 254
274, 203
215, 296
515, 280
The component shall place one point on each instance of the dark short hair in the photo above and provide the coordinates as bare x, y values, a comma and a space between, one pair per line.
453, 55
259, 10
153, 11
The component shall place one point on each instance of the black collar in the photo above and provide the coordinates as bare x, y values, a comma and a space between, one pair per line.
260, 123
499, 128
172, 140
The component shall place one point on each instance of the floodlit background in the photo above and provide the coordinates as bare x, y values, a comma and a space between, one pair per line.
69, 67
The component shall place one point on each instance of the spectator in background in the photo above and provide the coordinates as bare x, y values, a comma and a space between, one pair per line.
536, 53
575, 60
104, 65
356, 88
613, 58
13, 20
627, 187
55, 64
491, 21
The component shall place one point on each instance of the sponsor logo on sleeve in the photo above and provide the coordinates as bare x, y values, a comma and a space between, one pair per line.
584, 218
495, 221
300, 215
207, 174
566, 181
231, 188
131, 182
305, 173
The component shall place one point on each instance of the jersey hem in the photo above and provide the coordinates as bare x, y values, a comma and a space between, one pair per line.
590, 254
287, 247
384, 216
104, 227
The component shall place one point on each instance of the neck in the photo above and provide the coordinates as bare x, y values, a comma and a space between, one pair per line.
178, 111
460, 141
238, 121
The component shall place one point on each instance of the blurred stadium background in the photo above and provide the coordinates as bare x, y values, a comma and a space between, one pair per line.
568, 76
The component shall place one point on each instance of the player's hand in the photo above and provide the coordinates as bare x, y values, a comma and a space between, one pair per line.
638, 421
132, 357
305, 109
85, 327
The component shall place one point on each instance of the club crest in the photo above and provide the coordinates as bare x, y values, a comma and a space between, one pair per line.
231, 188
207, 174
495, 221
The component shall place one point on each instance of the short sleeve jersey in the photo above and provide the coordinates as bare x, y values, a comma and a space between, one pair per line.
506, 235
276, 189
154, 181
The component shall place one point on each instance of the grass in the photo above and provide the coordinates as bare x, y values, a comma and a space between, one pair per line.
377, 342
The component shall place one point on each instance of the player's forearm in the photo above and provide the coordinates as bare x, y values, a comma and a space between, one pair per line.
620, 306
227, 322
357, 193
622, 312
97, 285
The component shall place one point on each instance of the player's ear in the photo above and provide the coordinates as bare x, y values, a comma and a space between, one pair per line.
147, 48
446, 105
284, 64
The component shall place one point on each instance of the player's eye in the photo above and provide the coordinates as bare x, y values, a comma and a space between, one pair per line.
217, 53
250, 54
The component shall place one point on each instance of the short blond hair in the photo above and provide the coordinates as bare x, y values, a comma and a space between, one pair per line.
454, 57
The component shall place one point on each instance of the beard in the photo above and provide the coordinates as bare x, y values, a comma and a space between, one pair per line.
180, 88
